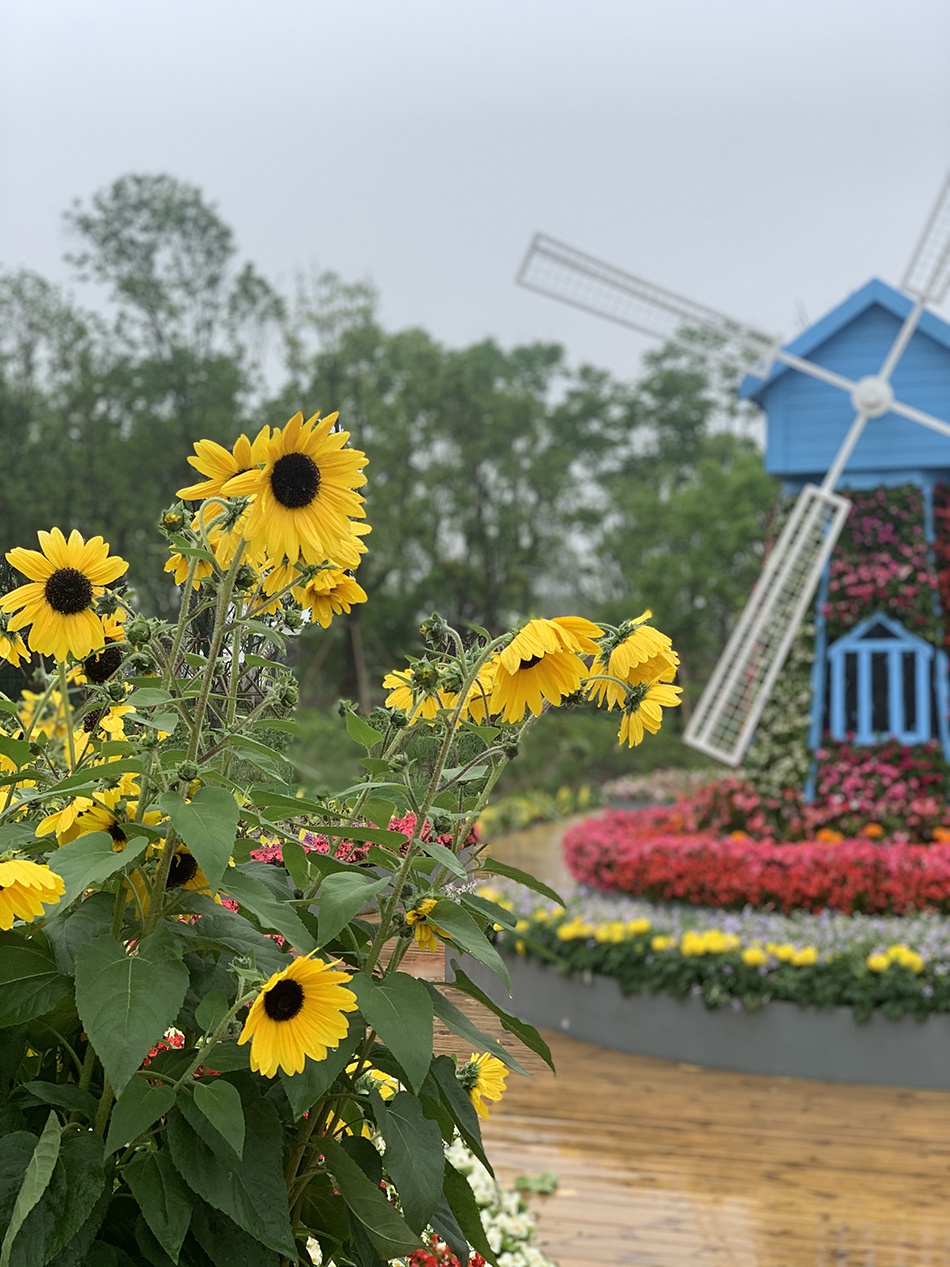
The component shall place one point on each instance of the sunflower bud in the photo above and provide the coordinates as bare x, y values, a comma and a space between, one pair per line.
173, 519
142, 663
139, 631
187, 771
434, 630
293, 619
246, 578
116, 692
398, 718
287, 693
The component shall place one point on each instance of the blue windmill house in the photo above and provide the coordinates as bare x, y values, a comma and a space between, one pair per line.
885, 676
860, 400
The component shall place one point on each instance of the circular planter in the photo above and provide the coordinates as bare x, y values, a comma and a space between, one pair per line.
779, 1039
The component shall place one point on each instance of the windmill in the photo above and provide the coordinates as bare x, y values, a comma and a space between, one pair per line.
723, 722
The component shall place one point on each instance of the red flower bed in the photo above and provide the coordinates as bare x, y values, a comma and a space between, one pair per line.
652, 853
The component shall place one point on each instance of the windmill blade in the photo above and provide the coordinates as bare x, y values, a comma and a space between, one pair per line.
928, 273
726, 716
554, 269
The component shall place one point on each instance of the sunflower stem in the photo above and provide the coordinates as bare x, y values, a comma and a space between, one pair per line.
106, 1100
68, 713
217, 638
183, 619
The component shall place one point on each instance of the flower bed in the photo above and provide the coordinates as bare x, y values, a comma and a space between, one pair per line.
653, 853
897, 966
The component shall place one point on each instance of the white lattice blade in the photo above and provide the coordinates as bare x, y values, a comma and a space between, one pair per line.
928, 273
725, 718
561, 272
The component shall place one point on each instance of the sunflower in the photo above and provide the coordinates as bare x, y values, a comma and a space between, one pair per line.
298, 1013
328, 594
24, 888
483, 1077
65, 822
637, 653
542, 662
305, 497
416, 691
218, 465
644, 710
66, 578
422, 930
101, 665
12, 648
185, 873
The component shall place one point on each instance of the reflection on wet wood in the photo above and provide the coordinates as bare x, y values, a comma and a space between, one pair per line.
670, 1165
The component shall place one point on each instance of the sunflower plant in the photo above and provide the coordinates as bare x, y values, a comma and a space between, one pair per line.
211, 1052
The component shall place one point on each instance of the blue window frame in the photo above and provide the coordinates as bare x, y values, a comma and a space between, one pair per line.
881, 684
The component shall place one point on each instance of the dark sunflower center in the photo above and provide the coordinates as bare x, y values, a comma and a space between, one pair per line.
92, 720
295, 480
101, 666
117, 834
530, 662
183, 869
68, 591
284, 1000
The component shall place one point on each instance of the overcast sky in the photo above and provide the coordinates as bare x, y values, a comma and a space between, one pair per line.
764, 157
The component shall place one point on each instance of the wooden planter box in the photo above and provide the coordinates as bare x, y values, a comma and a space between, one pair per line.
778, 1039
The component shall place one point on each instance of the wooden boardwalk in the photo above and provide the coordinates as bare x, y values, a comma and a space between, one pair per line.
670, 1165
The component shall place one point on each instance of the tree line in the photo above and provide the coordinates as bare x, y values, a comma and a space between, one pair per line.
502, 482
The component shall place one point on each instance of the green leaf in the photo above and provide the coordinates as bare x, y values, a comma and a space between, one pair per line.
250, 1191
39, 1172
379, 811
443, 855
466, 933
90, 860
220, 1102
137, 1108
456, 1020
63, 1095
275, 915
362, 732
414, 1155
68, 931
149, 696
491, 911
163, 1198
493, 867
29, 982
521, 1029
342, 896
96, 775
461, 1199
211, 1010
304, 1089
158, 721
226, 1244
295, 860
207, 824
388, 1231
398, 1007
456, 1100
18, 750
127, 1001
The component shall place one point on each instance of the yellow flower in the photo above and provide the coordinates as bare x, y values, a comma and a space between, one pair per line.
65, 580
422, 930
574, 929
305, 497
330, 593
178, 566
637, 926
298, 1014
65, 822
805, 957
410, 690
754, 957
642, 654
644, 710
542, 662
612, 931
25, 887
661, 942
218, 465
878, 963
784, 952
483, 1077
905, 957
12, 648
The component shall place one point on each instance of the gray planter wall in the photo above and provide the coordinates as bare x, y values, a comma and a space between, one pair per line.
778, 1039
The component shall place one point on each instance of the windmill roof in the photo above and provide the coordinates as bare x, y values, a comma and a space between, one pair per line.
873, 293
